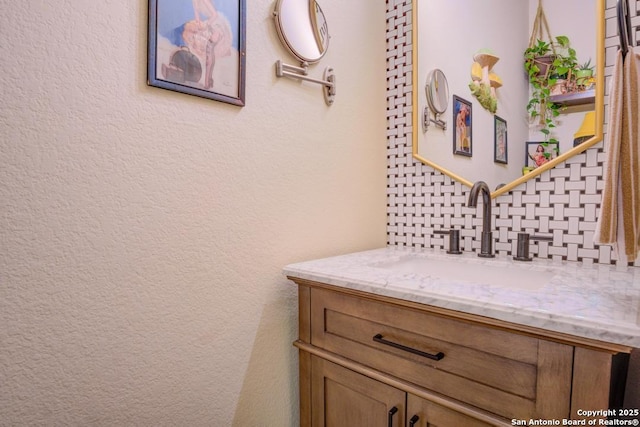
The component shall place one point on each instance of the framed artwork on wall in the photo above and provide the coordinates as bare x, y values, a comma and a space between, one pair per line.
538, 153
462, 140
500, 140
197, 47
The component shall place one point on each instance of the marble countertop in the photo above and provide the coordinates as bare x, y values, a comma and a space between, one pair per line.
600, 302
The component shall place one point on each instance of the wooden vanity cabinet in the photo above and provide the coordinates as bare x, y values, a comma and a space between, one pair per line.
368, 360
425, 413
351, 399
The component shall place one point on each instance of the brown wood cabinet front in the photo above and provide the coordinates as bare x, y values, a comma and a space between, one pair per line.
425, 413
369, 361
343, 398
506, 374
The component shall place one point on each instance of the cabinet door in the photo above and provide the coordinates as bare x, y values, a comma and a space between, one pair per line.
423, 413
343, 398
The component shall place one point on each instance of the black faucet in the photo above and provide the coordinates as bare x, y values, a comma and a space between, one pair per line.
486, 246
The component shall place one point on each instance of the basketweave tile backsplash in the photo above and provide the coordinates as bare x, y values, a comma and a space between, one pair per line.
562, 203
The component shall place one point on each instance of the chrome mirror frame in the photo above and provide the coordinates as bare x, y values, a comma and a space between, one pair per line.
306, 36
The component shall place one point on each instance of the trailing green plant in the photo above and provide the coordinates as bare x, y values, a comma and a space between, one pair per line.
565, 62
533, 58
561, 62
543, 110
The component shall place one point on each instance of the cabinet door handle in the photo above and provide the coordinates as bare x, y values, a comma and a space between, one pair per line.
381, 340
392, 412
414, 420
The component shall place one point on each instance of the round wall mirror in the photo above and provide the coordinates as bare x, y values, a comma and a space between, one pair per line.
302, 27
437, 90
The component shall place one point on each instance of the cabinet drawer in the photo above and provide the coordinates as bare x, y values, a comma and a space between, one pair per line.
508, 374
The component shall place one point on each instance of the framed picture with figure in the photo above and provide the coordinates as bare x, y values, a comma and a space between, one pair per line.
539, 153
197, 47
462, 119
500, 140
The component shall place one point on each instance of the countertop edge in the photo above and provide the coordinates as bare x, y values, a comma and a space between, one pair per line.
543, 321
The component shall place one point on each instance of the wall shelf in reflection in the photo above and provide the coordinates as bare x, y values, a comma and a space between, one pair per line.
575, 98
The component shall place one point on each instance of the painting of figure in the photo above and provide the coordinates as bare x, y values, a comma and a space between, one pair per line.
499, 140
462, 141
539, 153
198, 47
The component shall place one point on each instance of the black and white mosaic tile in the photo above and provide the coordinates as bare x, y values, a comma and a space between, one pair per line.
562, 203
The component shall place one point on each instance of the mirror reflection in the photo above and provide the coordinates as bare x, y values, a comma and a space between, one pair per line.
302, 28
437, 92
484, 41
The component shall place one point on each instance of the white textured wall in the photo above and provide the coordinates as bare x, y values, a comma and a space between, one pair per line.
143, 231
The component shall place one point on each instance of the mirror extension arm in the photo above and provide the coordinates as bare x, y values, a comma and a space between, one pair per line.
300, 73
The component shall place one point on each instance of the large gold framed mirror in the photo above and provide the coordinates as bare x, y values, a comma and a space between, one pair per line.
448, 34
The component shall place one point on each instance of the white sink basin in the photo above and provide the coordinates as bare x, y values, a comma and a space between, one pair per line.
502, 275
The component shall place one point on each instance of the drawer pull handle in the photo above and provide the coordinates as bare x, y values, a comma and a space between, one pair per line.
437, 356
414, 420
392, 412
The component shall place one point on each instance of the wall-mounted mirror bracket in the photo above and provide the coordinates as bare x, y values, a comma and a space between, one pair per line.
328, 82
427, 120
